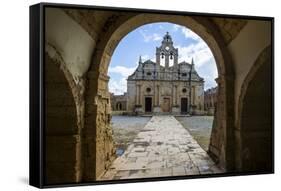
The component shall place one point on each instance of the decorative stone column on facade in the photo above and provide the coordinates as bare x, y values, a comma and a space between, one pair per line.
175, 109
137, 95
140, 95
154, 94
176, 95
158, 97
173, 96
156, 108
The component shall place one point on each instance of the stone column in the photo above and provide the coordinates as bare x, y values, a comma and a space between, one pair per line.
158, 96
138, 101
155, 95
173, 94
156, 108
175, 109
176, 94
140, 95
137, 94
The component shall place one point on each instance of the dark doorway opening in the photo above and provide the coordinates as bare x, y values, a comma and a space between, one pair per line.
184, 105
148, 104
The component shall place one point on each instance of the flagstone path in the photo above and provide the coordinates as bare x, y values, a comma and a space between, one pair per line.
162, 148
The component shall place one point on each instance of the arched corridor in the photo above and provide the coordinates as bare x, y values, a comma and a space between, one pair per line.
79, 46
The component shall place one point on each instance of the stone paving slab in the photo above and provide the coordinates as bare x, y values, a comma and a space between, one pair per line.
162, 148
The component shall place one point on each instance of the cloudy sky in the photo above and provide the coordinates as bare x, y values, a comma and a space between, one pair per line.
143, 41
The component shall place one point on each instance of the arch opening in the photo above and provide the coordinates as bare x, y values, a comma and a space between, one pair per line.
255, 117
190, 57
222, 137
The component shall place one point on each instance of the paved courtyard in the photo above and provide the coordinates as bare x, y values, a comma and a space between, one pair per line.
162, 148
125, 129
199, 127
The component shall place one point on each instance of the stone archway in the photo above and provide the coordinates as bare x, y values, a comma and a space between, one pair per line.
97, 97
254, 126
62, 139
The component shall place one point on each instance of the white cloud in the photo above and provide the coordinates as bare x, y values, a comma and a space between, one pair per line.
122, 70
176, 27
153, 59
203, 60
186, 32
144, 57
190, 34
118, 87
200, 52
150, 37
161, 27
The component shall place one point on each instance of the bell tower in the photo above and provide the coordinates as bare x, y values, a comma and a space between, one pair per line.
167, 51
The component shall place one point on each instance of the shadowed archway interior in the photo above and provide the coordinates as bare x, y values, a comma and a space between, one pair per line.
256, 117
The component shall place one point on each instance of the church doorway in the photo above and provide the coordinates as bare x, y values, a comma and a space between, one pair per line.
148, 104
184, 105
118, 106
166, 104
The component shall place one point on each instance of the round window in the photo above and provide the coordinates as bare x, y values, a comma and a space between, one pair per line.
148, 90
184, 90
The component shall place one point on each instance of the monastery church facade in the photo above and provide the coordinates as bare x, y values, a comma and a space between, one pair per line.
165, 86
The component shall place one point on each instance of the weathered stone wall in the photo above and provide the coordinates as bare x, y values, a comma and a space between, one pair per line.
255, 125
217, 147
245, 48
105, 150
118, 102
100, 148
210, 100
62, 127
73, 46
70, 39
229, 28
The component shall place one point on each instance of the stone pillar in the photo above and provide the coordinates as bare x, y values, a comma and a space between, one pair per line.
140, 95
156, 108
158, 97
155, 95
176, 94
175, 108
137, 95
172, 95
